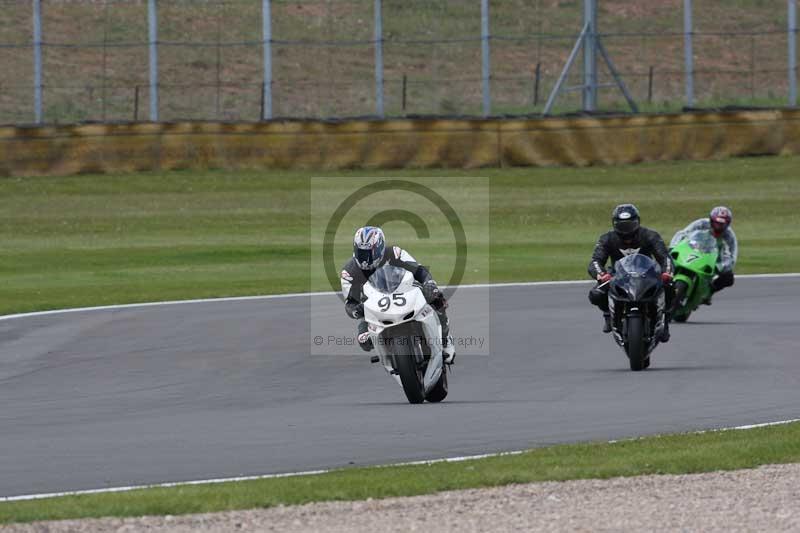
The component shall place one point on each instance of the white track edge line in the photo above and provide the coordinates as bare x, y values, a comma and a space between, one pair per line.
323, 293
424, 462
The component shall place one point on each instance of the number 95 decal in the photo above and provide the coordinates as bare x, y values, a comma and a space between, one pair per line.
385, 303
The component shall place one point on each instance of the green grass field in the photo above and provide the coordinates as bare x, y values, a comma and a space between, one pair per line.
677, 454
90, 240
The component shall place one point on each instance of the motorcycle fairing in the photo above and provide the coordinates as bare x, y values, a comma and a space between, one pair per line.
637, 288
396, 287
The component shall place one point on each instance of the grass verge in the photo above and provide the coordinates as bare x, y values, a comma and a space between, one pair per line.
96, 240
673, 454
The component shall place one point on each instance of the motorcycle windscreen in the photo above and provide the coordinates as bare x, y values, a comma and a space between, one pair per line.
388, 278
702, 241
636, 277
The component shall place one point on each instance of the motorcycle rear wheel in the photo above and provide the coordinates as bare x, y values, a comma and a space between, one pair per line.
635, 345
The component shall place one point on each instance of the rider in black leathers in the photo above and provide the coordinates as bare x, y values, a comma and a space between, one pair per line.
370, 252
628, 237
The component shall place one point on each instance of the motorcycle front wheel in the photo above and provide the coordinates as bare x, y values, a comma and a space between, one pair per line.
439, 392
680, 314
635, 345
407, 369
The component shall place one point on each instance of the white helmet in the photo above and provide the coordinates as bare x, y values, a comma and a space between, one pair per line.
368, 247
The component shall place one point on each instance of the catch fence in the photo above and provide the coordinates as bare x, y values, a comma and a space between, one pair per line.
65, 61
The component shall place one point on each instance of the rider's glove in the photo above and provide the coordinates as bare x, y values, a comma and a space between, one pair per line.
666, 278
433, 295
604, 277
430, 290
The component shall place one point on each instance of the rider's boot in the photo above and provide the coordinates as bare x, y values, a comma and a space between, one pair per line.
665, 332
448, 350
606, 322
448, 346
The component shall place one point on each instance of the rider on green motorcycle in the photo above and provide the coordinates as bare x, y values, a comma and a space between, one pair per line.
718, 223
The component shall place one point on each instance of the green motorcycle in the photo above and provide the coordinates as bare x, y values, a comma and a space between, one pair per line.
695, 258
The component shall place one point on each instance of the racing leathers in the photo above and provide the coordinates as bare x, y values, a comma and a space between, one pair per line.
353, 279
612, 246
727, 247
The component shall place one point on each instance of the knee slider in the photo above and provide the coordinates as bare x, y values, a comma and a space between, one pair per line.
364, 340
597, 296
728, 279
724, 279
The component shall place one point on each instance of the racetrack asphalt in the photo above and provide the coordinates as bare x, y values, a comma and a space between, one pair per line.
134, 396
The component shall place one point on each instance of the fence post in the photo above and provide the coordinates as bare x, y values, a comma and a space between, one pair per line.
104, 98
792, 52
688, 56
590, 56
152, 24
486, 59
752, 67
405, 88
266, 35
37, 60
378, 58
218, 103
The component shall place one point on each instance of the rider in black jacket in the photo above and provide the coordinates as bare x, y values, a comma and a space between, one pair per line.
628, 237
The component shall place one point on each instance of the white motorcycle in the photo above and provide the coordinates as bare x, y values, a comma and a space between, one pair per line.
406, 333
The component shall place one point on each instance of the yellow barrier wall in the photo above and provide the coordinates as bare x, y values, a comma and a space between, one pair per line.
64, 150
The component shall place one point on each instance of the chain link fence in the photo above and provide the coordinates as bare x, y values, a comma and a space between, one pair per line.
321, 57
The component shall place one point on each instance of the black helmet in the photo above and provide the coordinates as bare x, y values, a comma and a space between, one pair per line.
625, 219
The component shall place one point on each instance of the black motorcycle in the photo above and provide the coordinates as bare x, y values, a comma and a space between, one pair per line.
636, 302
